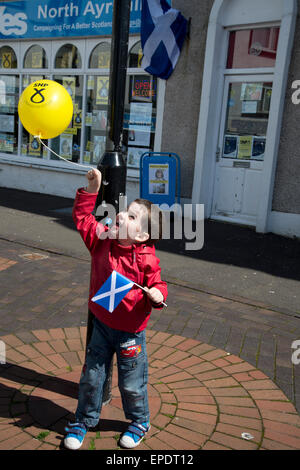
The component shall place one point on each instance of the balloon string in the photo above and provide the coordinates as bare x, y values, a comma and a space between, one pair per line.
59, 156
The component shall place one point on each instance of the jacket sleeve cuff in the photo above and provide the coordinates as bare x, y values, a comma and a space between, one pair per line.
84, 190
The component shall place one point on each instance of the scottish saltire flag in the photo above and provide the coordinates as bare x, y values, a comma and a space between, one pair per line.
163, 30
112, 291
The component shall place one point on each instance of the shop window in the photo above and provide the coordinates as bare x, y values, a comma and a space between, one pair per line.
67, 144
35, 58
68, 57
135, 56
253, 48
96, 118
30, 146
140, 110
100, 56
8, 59
9, 92
247, 116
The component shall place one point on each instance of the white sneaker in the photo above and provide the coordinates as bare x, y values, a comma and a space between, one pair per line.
134, 434
74, 438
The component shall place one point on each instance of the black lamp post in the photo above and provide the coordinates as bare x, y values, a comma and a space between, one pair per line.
112, 163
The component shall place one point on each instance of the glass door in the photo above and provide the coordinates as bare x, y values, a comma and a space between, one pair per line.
241, 147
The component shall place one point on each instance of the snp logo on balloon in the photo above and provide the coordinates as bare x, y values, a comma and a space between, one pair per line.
12, 24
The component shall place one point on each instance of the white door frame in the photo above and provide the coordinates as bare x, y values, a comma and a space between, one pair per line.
233, 14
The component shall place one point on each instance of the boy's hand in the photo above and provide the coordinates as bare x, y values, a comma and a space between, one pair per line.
155, 295
94, 178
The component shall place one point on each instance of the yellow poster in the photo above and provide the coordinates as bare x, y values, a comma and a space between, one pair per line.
245, 146
77, 118
102, 90
140, 57
104, 60
6, 60
69, 84
37, 60
34, 147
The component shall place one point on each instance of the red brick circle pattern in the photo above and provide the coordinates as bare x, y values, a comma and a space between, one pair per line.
200, 397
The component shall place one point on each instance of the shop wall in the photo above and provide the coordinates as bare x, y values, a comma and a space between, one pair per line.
41, 180
286, 196
183, 92
51, 181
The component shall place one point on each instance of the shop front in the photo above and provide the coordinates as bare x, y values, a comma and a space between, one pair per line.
70, 45
225, 110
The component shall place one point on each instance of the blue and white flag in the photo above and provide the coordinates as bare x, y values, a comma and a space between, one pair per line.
163, 30
113, 291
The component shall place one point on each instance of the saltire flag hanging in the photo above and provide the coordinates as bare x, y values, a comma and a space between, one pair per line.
113, 291
163, 30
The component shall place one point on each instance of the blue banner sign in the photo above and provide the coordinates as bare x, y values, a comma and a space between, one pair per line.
52, 19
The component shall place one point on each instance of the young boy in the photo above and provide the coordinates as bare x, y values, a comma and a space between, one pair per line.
129, 250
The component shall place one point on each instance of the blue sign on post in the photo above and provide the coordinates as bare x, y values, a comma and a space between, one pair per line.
160, 177
50, 18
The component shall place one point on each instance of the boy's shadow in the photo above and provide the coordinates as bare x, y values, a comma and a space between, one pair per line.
25, 410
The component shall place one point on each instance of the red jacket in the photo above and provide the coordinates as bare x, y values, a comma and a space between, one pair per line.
137, 262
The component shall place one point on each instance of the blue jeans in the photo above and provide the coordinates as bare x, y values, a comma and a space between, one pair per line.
132, 374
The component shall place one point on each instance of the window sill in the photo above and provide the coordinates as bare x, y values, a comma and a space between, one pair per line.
132, 175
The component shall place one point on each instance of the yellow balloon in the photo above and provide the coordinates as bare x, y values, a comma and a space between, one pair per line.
45, 109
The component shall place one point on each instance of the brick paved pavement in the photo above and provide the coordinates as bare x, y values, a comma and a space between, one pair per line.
218, 366
200, 397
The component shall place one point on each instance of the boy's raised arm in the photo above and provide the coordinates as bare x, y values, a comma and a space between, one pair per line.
84, 204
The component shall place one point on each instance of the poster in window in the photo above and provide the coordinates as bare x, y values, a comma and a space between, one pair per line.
102, 90
6, 60
245, 147
249, 107
99, 120
134, 155
140, 118
104, 60
35, 78
159, 179
139, 138
65, 145
6, 143
99, 146
34, 147
7, 123
88, 119
230, 146
142, 88
37, 60
267, 99
90, 82
77, 118
251, 91
258, 148
70, 86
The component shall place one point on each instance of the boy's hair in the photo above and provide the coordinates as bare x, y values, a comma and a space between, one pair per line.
154, 220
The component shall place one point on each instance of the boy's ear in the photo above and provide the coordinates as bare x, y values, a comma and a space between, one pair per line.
142, 237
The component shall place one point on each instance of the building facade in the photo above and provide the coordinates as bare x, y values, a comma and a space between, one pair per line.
227, 109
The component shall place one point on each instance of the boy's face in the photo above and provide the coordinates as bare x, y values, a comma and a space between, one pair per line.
131, 225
